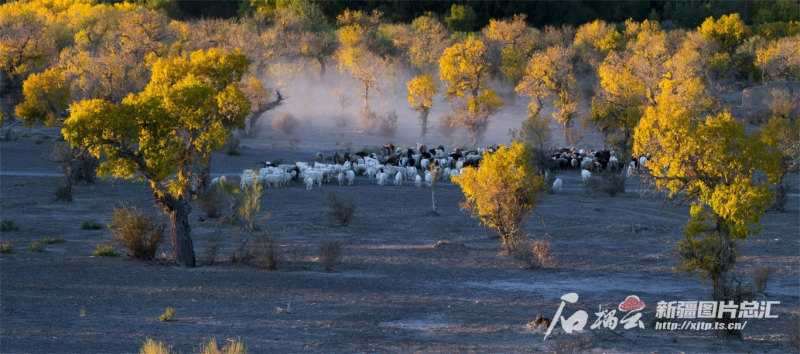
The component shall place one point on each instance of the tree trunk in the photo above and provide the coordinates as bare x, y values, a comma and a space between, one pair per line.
780, 194
723, 290
182, 248
567, 139
321, 65
424, 120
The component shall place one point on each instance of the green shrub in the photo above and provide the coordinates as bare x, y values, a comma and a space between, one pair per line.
138, 233
8, 225
168, 315
91, 225
6, 247
104, 251
38, 141
51, 240
35, 247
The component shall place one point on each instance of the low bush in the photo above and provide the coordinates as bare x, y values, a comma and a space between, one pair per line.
388, 126
211, 201
341, 210
445, 126
137, 232
593, 185
533, 255
8, 225
6, 247
64, 190
761, 275
104, 251
266, 251
91, 225
285, 123
367, 119
211, 247
614, 182
330, 252
168, 315
231, 145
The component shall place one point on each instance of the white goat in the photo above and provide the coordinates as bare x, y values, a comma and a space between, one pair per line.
350, 177
382, 179
585, 175
398, 179
218, 180
557, 184
642, 161
340, 178
309, 183
418, 181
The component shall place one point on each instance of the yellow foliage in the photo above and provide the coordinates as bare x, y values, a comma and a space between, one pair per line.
185, 112
503, 191
46, 97
728, 31
421, 91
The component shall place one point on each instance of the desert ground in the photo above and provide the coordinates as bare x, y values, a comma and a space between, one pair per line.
410, 281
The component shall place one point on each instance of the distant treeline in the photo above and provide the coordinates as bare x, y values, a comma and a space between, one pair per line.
677, 13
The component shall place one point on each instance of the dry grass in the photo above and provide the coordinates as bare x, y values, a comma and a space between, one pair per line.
155, 347
137, 232
285, 123
533, 255
168, 315
235, 346
330, 252
6, 247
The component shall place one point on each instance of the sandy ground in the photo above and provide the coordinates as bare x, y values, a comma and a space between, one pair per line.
396, 291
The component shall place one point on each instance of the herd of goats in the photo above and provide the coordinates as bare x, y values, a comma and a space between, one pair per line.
392, 162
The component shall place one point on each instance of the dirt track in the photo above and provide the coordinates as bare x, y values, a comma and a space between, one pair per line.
395, 290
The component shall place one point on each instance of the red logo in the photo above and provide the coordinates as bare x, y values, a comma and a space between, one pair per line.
631, 303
